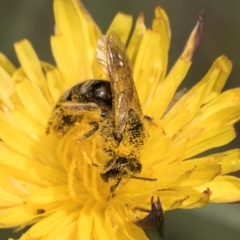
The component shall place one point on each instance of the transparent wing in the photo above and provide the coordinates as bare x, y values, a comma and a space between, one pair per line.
113, 59
102, 53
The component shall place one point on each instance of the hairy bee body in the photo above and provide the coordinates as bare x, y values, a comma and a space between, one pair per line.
108, 112
95, 96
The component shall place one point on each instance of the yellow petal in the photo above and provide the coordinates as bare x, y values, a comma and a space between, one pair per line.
136, 38
196, 199
115, 224
209, 139
190, 103
174, 153
55, 84
79, 34
171, 199
31, 66
23, 143
37, 172
9, 219
7, 87
156, 145
225, 189
229, 160
65, 229
175, 76
8, 199
169, 177
9, 134
225, 100
51, 194
166, 89
133, 232
184, 110
7, 64
99, 223
227, 116
161, 25
202, 173
86, 221
121, 24
46, 225
28, 122
72, 72
148, 66
218, 75
33, 100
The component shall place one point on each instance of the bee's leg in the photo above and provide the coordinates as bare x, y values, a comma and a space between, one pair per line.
144, 178
88, 134
109, 170
75, 112
75, 108
114, 186
105, 171
109, 165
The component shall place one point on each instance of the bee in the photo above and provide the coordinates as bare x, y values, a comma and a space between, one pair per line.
112, 112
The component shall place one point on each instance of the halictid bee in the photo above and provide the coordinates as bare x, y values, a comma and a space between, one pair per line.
112, 112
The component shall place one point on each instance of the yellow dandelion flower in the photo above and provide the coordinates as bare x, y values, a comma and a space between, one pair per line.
51, 182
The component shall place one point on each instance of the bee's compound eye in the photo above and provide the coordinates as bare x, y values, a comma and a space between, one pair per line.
102, 93
117, 136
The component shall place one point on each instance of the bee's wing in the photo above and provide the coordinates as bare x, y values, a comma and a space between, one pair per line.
113, 59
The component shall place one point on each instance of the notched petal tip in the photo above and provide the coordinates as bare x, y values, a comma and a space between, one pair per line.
227, 58
178, 203
157, 11
200, 199
121, 24
141, 18
195, 38
161, 15
204, 199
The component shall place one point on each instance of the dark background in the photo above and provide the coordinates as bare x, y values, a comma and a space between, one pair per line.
33, 19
